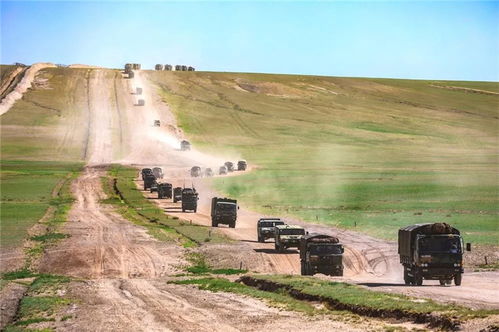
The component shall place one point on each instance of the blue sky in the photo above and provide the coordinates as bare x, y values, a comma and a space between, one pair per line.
432, 40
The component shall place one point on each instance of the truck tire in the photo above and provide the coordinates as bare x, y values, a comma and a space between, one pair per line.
232, 224
418, 279
407, 279
310, 271
457, 279
303, 270
276, 247
260, 239
183, 210
195, 210
442, 282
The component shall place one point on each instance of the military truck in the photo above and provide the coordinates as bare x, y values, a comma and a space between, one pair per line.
158, 67
183, 68
223, 211
230, 166
138, 91
222, 170
177, 194
265, 228
157, 123
164, 190
190, 68
149, 181
145, 171
178, 67
320, 253
208, 172
168, 67
189, 199
287, 236
196, 171
432, 252
141, 102
136, 66
158, 172
185, 145
242, 165
131, 74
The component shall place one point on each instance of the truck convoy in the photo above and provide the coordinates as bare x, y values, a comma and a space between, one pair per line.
164, 190
321, 253
265, 228
189, 199
287, 236
223, 211
432, 252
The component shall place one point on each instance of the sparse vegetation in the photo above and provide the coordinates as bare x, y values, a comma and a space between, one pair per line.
200, 266
355, 153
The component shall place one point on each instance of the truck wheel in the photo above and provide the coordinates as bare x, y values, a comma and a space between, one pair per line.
418, 279
310, 271
195, 210
442, 282
303, 270
281, 248
260, 238
183, 210
232, 225
276, 247
457, 279
407, 279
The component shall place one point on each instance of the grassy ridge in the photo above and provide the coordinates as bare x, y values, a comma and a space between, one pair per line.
369, 154
141, 208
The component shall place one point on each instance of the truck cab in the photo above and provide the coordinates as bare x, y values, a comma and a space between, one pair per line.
223, 211
320, 253
431, 252
189, 199
287, 236
164, 190
265, 228
149, 181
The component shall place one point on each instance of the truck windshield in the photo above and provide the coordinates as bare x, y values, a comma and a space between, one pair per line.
292, 232
439, 244
226, 206
270, 223
325, 249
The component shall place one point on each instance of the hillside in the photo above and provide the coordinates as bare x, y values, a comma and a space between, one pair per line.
366, 154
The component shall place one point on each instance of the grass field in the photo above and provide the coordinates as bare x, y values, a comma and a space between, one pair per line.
26, 193
365, 154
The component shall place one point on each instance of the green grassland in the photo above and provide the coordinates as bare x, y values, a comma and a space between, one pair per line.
365, 154
26, 193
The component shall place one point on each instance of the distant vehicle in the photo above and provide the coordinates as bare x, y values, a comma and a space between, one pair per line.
242, 165
138, 91
223, 211
136, 66
128, 67
287, 236
222, 170
190, 68
265, 228
321, 253
145, 171
178, 67
149, 181
189, 199
185, 145
158, 67
184, 68
157, 123
158, 172
141, 102
208, 172
177, 194
164, 190
168, 67
230, 166
196, 171
431, 252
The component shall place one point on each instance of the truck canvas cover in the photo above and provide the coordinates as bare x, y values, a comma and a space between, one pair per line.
407, 235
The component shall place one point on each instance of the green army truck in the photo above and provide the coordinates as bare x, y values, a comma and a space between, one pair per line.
320, 253
432, 251
223, 211
149, 181
265, 228
287, 236
189, 199
164, 190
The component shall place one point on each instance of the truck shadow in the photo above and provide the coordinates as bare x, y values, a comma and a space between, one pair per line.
273, 251
390, 284
172, 209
